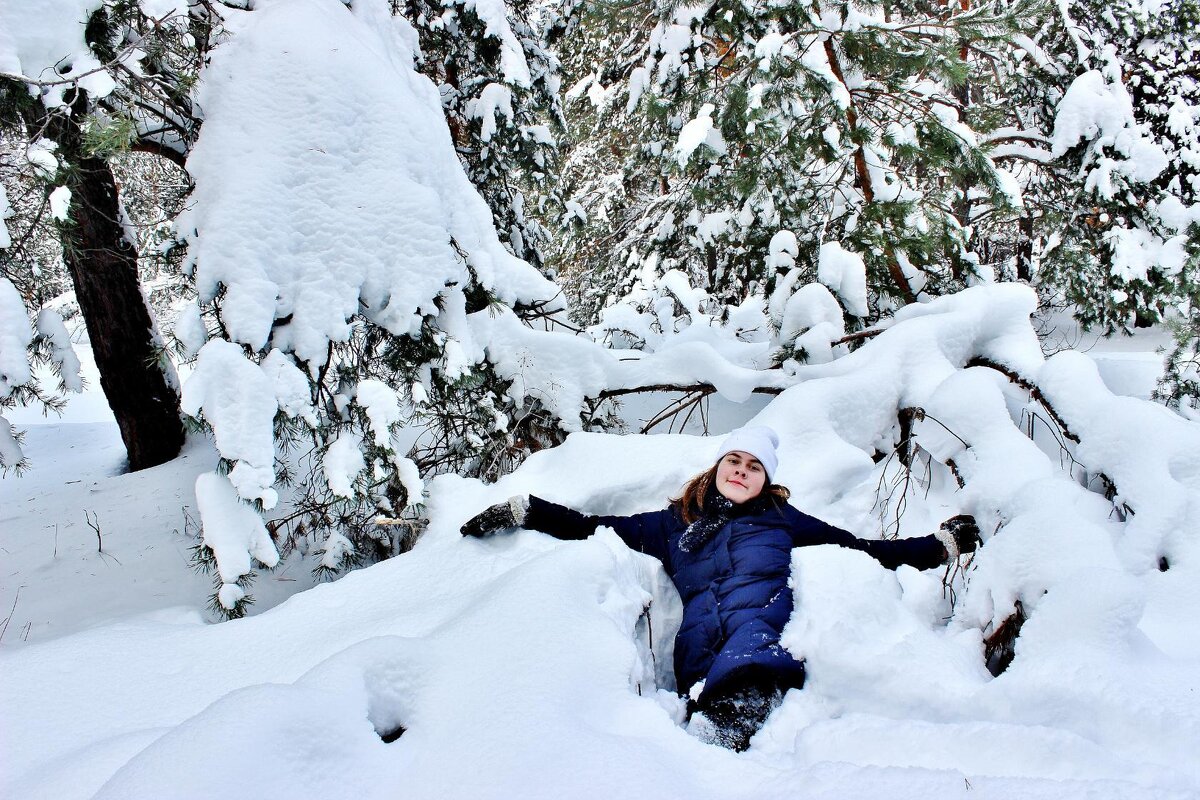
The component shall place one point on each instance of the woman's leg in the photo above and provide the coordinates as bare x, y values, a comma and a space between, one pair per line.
736, 711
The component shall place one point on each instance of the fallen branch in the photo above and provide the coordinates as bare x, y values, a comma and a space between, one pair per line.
707, 388
1029, 386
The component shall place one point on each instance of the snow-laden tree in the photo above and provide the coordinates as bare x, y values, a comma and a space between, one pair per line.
1101, 129
824, 122
82, 83
499, 88
1114, 233
349, 277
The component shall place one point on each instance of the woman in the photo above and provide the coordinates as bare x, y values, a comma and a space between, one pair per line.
726, 543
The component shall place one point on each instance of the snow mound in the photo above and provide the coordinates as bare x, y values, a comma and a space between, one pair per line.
523, 666
339, 196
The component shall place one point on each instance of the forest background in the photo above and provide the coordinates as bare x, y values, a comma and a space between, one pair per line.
313, 282
783, 173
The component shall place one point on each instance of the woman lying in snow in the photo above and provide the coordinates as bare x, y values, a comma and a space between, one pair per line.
726, 543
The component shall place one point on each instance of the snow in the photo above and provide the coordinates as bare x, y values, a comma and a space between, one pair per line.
519, 666
44, 41
495, 98
339, 227
494, 14
290, 386
6, 211
60, 203
234, 532
40, 155
782, 250
811, 320
845, 273
382, 406
15, 337
699, 131
1136, 251
1175, 215
1095, 108
237, 398
515, 663
343, 461
50, 327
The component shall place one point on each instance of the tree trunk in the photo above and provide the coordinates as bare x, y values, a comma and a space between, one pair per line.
1025, 247
863, 174
103, 267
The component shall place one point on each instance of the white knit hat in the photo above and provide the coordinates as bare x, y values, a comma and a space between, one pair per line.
757, 440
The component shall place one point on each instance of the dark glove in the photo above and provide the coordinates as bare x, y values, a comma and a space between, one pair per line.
960, 534
509, 514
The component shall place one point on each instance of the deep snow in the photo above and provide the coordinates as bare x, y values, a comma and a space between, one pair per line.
522, 666
519, 664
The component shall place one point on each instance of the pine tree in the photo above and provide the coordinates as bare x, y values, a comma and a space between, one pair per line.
834, 122
137, 96
499, 87
1100, 96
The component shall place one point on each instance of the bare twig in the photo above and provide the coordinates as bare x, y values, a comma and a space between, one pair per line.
93, 522
11, 612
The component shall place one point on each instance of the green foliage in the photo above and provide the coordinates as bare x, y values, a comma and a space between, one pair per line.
513, 165
835, 124
1085, 211
106, 135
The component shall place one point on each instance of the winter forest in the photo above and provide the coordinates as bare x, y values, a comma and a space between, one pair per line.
292, 289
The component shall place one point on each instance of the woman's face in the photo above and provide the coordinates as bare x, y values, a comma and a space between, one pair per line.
740, 476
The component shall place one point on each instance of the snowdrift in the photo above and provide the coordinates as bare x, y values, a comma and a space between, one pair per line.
522, 666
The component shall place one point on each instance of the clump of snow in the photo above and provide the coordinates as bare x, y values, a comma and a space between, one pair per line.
44, 41
1176, 215
410, 478
290, 385
845, 273
234, 532
812, 320
699, 131
50, 326
60, 203
382, 406
1095, 108
342, 463
238, 401
6, 211
15, 338
11, 454
495, 98
782, 251
1135, 251
335, 550
40, 155
341, 226
190, 330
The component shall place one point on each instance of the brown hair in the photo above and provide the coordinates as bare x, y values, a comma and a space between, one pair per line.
691, 499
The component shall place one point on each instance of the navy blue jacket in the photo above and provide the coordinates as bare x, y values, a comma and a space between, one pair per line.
734, 588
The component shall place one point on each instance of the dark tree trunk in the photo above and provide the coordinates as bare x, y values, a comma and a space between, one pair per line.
1025, 247
103, 267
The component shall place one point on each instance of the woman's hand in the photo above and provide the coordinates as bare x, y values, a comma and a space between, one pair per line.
959, 534
509, 514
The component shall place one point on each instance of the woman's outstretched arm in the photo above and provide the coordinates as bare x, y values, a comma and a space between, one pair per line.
956, 535
646, 532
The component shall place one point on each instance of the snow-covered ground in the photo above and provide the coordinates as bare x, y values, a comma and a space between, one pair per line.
522, 667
